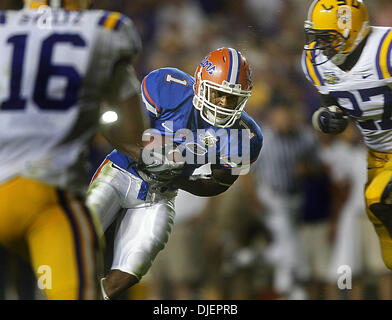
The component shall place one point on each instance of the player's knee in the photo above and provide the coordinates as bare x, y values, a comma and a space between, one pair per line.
144, 251
388, 262
378, 195
378, 200
140, 261
380, 190
383, 212
373, 195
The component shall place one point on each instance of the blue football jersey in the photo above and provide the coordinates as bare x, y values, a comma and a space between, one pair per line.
167, 94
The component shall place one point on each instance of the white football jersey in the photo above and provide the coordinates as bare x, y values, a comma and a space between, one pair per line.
56, 67
364, 92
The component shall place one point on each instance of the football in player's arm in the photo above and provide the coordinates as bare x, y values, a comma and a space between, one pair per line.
349, 62
194, 122
219, 182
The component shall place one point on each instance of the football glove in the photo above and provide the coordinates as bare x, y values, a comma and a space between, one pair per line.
330, 120
161, 163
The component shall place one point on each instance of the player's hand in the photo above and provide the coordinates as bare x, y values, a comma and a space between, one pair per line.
162, 163
330, 120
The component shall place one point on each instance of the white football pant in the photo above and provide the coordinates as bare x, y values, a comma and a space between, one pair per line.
144, 225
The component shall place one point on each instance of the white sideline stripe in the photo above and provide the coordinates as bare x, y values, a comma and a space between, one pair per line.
235, 65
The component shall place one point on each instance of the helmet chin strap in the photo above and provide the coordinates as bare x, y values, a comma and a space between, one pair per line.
55, 3
339, 58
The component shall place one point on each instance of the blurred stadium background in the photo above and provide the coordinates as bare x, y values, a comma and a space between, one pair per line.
218, 246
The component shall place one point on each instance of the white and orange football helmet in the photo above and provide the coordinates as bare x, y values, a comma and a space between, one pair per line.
66, 4
223, 72
336, 27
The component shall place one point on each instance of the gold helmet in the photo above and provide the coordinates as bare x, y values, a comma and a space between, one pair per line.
66, 4
336, 27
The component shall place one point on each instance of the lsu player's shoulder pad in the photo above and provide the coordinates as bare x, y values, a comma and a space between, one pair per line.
120, 33
164, 90
310, 70
384, 56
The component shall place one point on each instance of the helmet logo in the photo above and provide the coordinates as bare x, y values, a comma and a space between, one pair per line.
354, 3
207, 64
327, 9
344, 18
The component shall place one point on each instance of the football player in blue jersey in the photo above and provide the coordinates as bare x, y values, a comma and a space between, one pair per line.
195, 122
350, 64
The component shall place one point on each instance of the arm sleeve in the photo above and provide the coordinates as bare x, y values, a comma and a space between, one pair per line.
118, 46
312, 73
150, 95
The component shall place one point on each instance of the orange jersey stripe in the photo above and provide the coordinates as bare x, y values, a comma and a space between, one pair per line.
148, 96
99, 170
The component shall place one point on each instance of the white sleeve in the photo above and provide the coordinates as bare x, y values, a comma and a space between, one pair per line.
117, 48
312, 74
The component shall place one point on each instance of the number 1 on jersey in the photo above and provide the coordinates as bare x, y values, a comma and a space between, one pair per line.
170, 78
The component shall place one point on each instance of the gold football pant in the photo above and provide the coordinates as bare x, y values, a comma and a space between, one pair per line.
58, 233
378, 194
